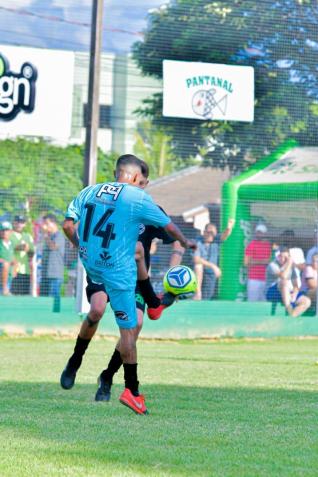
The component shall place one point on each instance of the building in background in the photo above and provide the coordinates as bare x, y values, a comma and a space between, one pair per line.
192, 193
60, 89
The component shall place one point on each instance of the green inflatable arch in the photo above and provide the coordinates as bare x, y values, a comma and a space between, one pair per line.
290, 173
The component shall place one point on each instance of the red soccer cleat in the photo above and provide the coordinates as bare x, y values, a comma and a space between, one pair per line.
166, 300
136, 403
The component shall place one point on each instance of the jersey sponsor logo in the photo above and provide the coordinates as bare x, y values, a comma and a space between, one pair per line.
104, 263
110, 189
121, 315
142, 228
17, 90
105, 255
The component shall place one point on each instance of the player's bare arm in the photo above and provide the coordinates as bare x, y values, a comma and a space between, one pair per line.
173, 230
176, 254
70, 231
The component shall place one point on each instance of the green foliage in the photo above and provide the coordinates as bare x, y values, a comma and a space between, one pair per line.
154, 146
277, 38
39, 177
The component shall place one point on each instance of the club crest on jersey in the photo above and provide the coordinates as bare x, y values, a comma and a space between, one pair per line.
82, 251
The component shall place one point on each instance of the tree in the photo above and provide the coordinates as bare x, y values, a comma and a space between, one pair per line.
279, 39
41, 177
154, 147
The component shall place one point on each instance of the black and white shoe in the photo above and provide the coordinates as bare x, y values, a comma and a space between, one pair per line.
103, 391
68, 376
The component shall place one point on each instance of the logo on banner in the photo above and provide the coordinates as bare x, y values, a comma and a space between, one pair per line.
206, 103
209, 102
17, 90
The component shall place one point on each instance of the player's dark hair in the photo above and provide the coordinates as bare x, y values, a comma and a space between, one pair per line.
130, 159
144, 169
127, 160
50, 217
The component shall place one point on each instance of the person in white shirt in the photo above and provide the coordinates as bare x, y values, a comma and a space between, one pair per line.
288, 240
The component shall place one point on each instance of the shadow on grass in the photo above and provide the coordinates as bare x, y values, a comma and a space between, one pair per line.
191, 430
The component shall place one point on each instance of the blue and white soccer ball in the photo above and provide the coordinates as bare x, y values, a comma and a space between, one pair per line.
180, 280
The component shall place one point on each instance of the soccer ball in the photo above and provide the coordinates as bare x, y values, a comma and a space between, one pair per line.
180, 280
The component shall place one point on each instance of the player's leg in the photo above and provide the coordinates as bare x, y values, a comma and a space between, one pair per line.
98, 301
155, 304
143, 282
105, 379
123, 304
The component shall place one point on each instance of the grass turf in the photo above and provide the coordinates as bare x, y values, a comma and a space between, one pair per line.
225, 408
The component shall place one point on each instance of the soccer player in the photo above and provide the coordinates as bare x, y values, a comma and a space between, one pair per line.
109, 216
97, 296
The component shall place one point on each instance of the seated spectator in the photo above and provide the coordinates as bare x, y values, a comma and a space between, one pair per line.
206, 259
23, 245
54, 247
282, 285
287, 239
310, 280
257, 256
7, 263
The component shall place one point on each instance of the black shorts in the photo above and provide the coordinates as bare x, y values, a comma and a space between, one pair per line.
92, 288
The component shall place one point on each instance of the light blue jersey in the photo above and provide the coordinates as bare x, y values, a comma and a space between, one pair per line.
109, 216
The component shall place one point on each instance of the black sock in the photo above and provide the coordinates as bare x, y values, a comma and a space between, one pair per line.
131, 381
75, 360
148, 293
114, 364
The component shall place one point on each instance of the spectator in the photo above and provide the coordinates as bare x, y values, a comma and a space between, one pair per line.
206, 258
53, 248
257, 256
311, 252
23, 245
7, 263
310, 279
282, 285
287, 239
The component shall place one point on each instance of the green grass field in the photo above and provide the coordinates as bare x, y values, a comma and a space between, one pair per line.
223, 408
